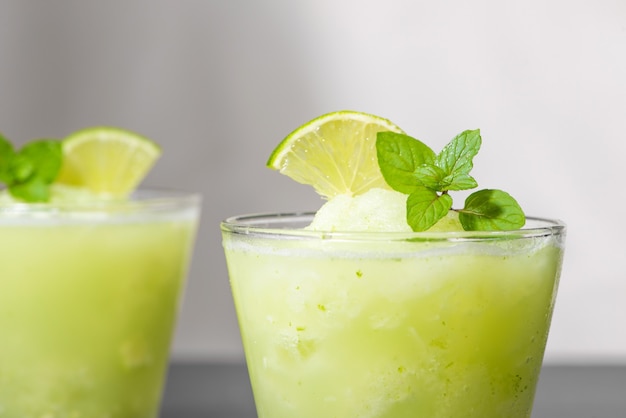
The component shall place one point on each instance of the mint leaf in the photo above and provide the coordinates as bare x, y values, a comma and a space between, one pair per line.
424, 207
6, 155
45, 156
399, 156
20, 169
35, 190
432, 177
459, 182
29, 172
456, 159
491, 209
411, 167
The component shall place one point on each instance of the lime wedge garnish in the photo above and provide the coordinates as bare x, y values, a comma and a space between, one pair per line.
108, 161
335, 153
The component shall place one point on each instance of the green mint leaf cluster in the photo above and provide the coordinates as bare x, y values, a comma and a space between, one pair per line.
411, 167
28, 172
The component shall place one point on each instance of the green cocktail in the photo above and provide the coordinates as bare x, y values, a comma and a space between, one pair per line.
89, 294
389, 301
391, 325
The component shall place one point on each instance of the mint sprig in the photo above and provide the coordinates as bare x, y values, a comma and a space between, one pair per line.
28, 173
411, 167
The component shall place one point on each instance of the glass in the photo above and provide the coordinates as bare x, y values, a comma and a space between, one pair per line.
89, 294
392, 325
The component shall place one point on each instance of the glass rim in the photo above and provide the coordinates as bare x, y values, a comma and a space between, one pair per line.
152, 199
268, 225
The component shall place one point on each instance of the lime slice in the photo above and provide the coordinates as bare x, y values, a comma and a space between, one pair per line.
335, 153
108, 161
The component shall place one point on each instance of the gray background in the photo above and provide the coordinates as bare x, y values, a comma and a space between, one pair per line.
219, 83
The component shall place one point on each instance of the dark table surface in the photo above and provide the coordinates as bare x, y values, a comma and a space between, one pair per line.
198, 390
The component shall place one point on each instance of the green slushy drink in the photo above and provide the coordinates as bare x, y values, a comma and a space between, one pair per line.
91, 276
88, 302
392, 325
388, 302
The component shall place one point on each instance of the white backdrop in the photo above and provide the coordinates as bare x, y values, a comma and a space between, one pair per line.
219, 83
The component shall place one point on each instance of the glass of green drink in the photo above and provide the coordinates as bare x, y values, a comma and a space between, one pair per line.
392, 324
89, 294
389, 301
